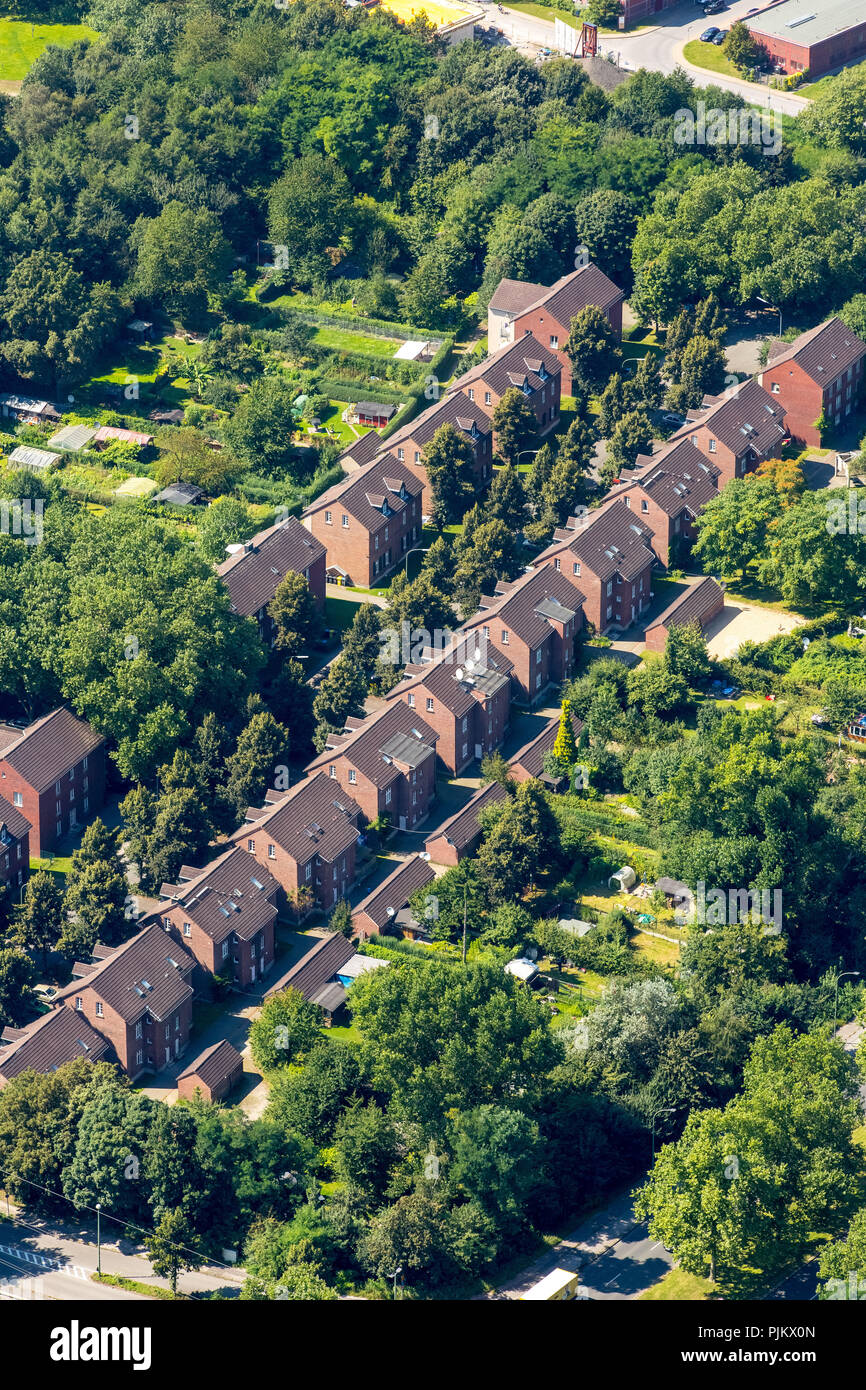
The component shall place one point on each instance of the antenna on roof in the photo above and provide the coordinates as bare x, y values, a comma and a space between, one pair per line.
458, 674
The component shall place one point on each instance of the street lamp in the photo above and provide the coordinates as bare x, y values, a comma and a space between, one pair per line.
398, 1270
836, 994
98, 1240
761, 300
655, 1117
416, 550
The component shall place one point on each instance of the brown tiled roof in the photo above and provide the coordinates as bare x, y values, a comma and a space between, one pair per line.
531, 756
463, 827
611, 541
356, 494
746, 417
50, 747
513, 296
519, 361
574, 292
522, 606
391, 735
365, 449
314, 970
822, 353
232, 895
215, 1064
439, 677
145, 976
315, 819
454, 409
12, 822
252, 575
692, 606
396, 890
677, 479
48, 1042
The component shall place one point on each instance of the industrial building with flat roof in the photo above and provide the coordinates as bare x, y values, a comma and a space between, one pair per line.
812, 36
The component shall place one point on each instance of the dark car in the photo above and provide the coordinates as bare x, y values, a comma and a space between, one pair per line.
708, 36
720, 37
714, 6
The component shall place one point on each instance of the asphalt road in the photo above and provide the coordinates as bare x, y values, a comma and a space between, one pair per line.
627, 1269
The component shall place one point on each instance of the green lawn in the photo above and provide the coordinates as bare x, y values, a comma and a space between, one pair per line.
345, 340
706, 55
348, 1034
679, 1287
544, 12
60, 865
21, 43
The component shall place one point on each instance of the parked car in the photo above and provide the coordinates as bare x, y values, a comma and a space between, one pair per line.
675, 420
714, 6
709, 34
720, 37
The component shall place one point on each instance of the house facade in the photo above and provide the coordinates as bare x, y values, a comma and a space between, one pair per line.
14, 848
737, 431
386, 908
253, 571
524, 365
386, 763
520, 307
609, 555
471, 421
701, 603
820, 374
461, 833
533, 621
668, 494
368, 523
53, 773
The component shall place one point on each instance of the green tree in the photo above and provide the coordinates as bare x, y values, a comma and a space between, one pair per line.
259, 432
310, 216
96, 888
294, 612
593, 349
365, 1147
605, 223
490, 556
743, 51
686, 653
262, 746
514, 423
340, 695
39, 920
107, 1167
506, 500
182, 257
168, 1247
732, 528
225, 522
340, 919
286, 1028
16, 977
524, 838
565, 744
631, 437
450, 462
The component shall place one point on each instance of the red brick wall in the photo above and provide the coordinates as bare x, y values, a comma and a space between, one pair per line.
803, 399
598, 601
543, 326
123, 1037
75, 798
209, 954
289, 873
15, 860
353, 548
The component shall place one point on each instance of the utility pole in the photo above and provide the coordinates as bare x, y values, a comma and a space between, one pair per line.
98, 1240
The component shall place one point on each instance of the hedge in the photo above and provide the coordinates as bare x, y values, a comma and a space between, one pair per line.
338, 389
417, 400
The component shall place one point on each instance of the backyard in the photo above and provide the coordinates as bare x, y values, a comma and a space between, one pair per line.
22, 42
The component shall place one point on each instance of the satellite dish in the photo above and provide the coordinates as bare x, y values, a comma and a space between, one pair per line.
477, 656
459, 673
470, 666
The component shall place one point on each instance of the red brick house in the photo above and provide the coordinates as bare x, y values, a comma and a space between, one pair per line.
254, 570
306, 839
14, 847
467, 417
369, 522
699, 604
464, 694
804, 37
317, 975
46, 1043
524, 365
528, 761
737, 431
213, 1073
387, 907
818, 374
519, 307
225, 915
608, 554
461, 834
139, 998
668, 493
386, 761
533, 621
53, 773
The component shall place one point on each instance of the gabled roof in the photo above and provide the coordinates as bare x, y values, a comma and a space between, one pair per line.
316, 819
377, 744
179, 495
523, 360
355, 494
392, 895
461, 829
38, 459
454, 409
232, 895
822, 352
253, 574
316, 969
50, 747
574, 292
745, 417
513, 296
365, 449
215, 1064
523, 606
692, 606
531, 756
13, 825
456, 678
48, 1042
144, 976
106, 433
612, 541
678, 479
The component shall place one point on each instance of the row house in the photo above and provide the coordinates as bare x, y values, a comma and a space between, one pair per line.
387, 762
225, 915
14, 847
528, 761
818, 374
46, 1043
738, 430
519, 307
139, 998
533, 621
460, 835
387, 909
471, 421
307, 840
668, 493
253, 571
525, 366
53, 773
464, 694
700, 604
323, 975
609, 554
369, 523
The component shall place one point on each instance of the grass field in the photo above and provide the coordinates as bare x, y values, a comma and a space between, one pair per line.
679, 1287
22, 42
706, 55
345, 340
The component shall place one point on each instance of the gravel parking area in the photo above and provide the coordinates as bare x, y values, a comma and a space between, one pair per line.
746, 622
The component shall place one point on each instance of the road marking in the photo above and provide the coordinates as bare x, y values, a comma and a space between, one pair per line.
34, 1257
